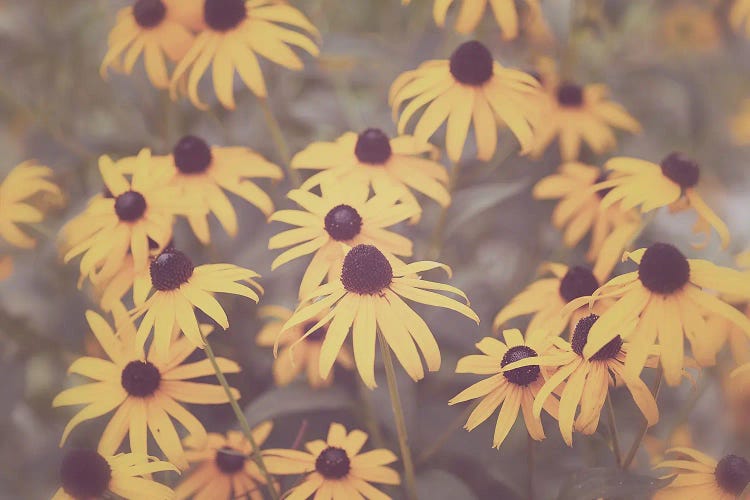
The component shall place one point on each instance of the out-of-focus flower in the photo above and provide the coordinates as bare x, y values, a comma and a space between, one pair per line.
511, 390
467, 88
331, 224
740, 123
739, 16
335, 468
656, 447
368, 296
236, 32
697, 475
690, 28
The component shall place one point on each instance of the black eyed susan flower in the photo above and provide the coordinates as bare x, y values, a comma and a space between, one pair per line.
179, 286
85, 474
739, 16
671, 183
740, 123
331, 224
587, 381
697, 475
222, 468
391, 166
665, 301
545, 299
306, 353
144, 391
690, 28
369, 296
511, 390
236, 32
468, 88
112, 291
335, 469
579, 212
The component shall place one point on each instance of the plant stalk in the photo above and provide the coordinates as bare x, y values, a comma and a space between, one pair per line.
644, 428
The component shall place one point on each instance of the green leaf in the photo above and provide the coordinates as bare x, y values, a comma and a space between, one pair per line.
295, 399
609, 482
470, 202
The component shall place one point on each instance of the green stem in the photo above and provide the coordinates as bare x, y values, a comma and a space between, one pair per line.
612, 424
244, 425
282, 148
438, 443
398, 414
436, 240
530, 457
642, 432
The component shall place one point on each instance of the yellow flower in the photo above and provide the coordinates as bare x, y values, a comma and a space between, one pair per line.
697, 475
335, 468
690, 28
150, 27
221, 467
725, 332
86, 474
578, 113
145, 391
587, 380
470, 87
367, 296
237, 30
179, 286
656, 447
306, 353
111, 291
331, 224
740, 123
391, 166
671, 183
665, 300
511, 390
739, 16
579, 212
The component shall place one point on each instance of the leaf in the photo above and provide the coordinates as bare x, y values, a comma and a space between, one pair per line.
609, 482
470, 202
440, 484
295, 399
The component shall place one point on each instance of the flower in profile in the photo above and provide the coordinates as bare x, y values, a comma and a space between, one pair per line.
691, 28
468, 88
471, 13
330, 224
587, 381
306, 353
739, 16
149, 27
236, 32
697, 475
739, 125
670, 183
335, 468
369, 296
222, 467
391, 166
545, 299
179, 286
511, 390
665, 302
85, 474
579, 212
144, 391
576, 114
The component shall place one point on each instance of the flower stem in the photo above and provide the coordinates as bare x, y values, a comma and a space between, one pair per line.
642, 432
282, 148
530, 458
244, 425
436, 240
612, 424
398, 414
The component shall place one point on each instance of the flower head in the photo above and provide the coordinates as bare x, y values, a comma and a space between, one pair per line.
698, 475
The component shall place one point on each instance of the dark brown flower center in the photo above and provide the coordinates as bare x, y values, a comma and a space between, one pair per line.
681, 170
366, 271
663, 269
85, 474
149, 13
373, 147
170, 269
140, 378
581, 336
192, 155
317, 335
578, 282
526, 374
223, 15
733, 474
343, 223
229, 460
471, 63
130, 206
570, 95
333, 463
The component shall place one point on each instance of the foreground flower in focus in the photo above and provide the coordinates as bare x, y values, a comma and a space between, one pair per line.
697, 475
85, 474
335, 468
368, 296
511, 390
468, 87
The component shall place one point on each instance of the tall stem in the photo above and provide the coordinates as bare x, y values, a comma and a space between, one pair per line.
612, 424
642, 432
530, 457
244, 425
436, 240
282, 148
398, 414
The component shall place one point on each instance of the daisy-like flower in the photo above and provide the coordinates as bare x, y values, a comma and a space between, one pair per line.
330, 224
306, 353
671, 183
545, 299
578, 113
111, 291
222, 468
144, 391
691, 28
471, 12
369, 296
335, 469
511, 390
697, 475
665, 301
740, 123
85, 474
179, 286
579, 212
149, 27
391, 166
468, 88
236, 32
587, 381
739, 16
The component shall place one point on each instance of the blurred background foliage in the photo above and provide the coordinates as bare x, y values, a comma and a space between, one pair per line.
674, 64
